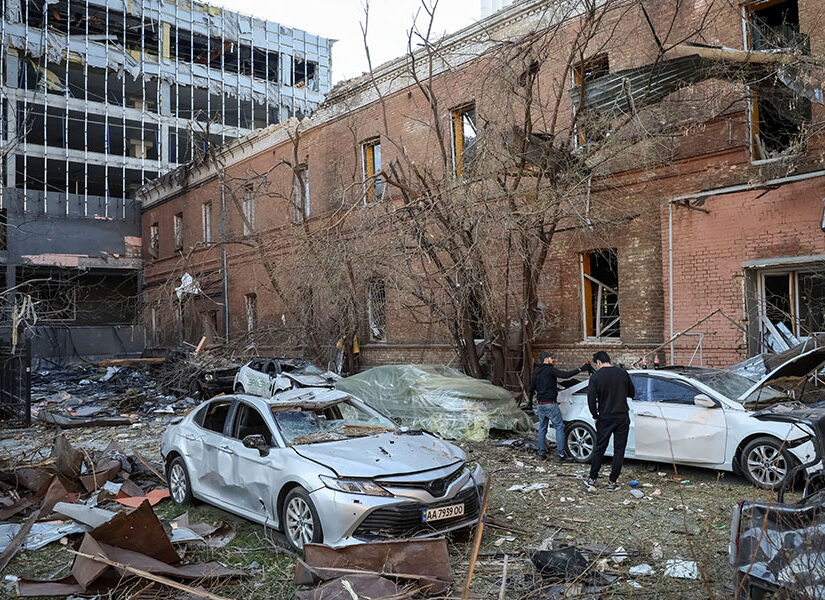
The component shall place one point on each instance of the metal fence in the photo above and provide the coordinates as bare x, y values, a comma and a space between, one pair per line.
15, 386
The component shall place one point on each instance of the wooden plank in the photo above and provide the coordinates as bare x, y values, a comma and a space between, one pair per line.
728, 54
477, 543
17, 541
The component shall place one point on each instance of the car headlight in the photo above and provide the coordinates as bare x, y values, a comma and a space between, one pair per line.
354, 486
209, 377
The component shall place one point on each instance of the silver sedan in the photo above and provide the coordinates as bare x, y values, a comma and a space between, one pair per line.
322, 466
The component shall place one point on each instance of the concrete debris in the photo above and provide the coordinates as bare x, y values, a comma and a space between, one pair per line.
681, 569
643, 570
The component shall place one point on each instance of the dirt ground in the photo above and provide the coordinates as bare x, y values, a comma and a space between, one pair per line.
688, 520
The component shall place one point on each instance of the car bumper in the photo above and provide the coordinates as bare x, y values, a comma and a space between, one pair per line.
354, 518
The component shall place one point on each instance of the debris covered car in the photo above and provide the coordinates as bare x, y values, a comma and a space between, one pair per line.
268, 376
777, 549
705, 417
322, 466
440, 400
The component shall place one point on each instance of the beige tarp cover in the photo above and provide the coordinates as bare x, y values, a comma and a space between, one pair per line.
438, 399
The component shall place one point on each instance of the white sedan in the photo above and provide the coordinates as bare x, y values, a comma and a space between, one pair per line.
704, 417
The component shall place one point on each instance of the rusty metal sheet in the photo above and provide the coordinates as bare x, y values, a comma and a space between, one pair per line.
55, 493
139, 531
366, 586
32, 479
69, 459
84, 570
104, 471
425, 560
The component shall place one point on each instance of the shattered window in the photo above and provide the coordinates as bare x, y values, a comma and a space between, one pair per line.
600, 288
331, 423
214, 416
248, 210
371, 155
251, 312
206, 217
775, 26
305, 74
376, 309
791, 307
154, 239
464, 137
249, 421
178, 232
583, 73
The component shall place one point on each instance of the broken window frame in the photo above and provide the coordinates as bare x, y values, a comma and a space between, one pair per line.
581, 73
251, 306
300, 205
780, 335
758, 151
463, 153
374, 184
206, 221
377, 309
154, 239
597, 326
248, 206
178, 231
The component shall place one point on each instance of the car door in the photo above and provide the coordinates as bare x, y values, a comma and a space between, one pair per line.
645, 420
252, 480
206, 471
682, 431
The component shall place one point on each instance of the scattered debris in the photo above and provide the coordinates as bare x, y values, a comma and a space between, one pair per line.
643, 570
637, 493
681, 569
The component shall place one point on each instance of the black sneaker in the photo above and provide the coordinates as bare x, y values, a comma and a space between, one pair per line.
562, 458
590, 484
542, 457
612, 486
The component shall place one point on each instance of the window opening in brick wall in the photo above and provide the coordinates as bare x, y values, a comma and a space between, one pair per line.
377, 309
300, 195
791, 307
373, 181
178, 232
248, 210
778, 116
251, 312
600, 294
583, 73
53, 300
154, 239
464, 137
209, 324
206, 218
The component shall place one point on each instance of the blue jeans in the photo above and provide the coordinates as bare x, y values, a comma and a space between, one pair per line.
548, 413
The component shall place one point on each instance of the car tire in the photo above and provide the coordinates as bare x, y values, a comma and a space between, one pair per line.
180, 488
579, 441
300, 521
766, 462
239, 388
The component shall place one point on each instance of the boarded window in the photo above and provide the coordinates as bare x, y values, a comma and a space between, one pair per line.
600, 294
251, 312
373, 181
179, 232
300, 195
154, 239
248, 210
583, 73
377, 309
206, 218
464, 137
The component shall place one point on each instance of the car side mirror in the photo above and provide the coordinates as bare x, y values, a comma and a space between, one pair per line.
258, 442
704, 401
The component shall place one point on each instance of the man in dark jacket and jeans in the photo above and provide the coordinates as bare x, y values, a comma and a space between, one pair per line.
545, 385
607, 395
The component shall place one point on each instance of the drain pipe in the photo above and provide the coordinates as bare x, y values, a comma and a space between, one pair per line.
718, 192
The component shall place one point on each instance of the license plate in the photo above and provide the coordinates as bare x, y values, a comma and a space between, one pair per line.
442, 512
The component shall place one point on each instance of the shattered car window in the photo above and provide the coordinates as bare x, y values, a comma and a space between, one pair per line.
732, 386
338, 422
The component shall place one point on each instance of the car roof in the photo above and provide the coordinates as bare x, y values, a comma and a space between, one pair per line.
307, 395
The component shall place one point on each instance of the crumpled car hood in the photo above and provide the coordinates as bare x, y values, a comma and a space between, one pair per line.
384, 454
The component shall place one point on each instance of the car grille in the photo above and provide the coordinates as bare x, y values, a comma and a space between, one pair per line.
436, 487
405, 519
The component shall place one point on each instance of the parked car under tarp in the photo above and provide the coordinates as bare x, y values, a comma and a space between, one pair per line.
438, 399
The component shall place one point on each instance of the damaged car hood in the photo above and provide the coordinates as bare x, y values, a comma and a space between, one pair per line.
791, 372
381, 455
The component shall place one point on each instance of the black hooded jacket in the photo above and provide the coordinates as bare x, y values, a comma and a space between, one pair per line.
545, 382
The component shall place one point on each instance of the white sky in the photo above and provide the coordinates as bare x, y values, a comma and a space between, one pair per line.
340, 19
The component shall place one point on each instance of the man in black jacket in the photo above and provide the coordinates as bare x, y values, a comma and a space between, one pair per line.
607, 395
545, 385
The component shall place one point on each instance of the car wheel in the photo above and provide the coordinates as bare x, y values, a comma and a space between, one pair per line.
239, 389
301, 523
766, 462
579, 442
180, 489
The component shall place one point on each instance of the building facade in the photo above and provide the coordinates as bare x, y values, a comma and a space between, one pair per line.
99, 97
676, 146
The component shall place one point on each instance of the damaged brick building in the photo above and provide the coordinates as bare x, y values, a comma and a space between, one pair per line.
631, 176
